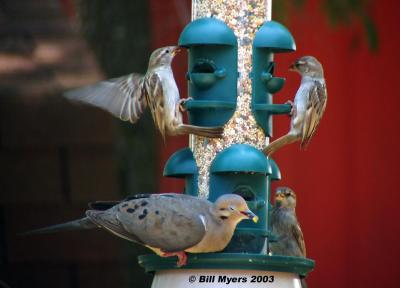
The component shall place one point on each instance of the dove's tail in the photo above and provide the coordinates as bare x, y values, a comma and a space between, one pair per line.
210, 132
80, 224
279, 143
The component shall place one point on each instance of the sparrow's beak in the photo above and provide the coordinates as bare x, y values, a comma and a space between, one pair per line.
278, 199
250, 215
176, 50
296, 64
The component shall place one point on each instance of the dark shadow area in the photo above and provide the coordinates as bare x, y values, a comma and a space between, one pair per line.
56, 156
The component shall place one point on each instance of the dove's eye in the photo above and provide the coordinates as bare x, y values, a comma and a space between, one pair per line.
167, 51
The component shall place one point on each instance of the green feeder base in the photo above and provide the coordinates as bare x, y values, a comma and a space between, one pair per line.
228, 270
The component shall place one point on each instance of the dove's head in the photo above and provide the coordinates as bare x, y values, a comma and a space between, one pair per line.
163, 56
233, 207
285, 198
308, 66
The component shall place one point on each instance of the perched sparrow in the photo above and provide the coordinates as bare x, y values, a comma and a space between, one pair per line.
286, 228
168, 224
308, 107
284, 225
127, 97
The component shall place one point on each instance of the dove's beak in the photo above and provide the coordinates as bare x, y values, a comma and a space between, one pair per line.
250, 215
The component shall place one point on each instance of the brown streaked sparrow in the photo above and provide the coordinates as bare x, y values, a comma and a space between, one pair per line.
126, 97
308, 107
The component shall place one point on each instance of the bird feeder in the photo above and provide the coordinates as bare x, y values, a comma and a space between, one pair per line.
231, 80
212, 73
182, 165
270, 38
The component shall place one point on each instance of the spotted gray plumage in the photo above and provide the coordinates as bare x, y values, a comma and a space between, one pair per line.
308, 106
127, 97
169, 224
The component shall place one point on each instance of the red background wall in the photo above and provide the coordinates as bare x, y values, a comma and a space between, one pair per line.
346, 181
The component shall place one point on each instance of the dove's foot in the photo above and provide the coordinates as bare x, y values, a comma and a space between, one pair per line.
182, 257
181, 103
293, 109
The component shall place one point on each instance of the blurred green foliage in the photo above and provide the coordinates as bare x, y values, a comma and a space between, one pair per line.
338, 12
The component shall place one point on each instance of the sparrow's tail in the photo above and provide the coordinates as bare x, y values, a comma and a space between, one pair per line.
80, 224
303, 283
210, 132
279, 143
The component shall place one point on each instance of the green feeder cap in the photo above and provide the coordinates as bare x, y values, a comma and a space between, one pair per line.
241, 158
276, 173
180, 164
207, 31
275, 36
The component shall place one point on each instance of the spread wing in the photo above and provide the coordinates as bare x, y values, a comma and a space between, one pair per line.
317, 99
298, 236
124, 97
155, 99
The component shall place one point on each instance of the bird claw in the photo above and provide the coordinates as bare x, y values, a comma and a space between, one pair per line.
181, 103
293, 108
182, 257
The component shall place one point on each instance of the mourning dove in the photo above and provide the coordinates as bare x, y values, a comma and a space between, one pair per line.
169, 224
128, 96
308, 107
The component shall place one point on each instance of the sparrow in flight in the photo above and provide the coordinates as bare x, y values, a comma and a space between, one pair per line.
127, 97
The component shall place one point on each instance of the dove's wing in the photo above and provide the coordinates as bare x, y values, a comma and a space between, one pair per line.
109, 221
123, 97
170, 222
317, 98
298, 236
155, 99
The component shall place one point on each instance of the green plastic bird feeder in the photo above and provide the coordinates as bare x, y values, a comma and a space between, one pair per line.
212, 75
231, 81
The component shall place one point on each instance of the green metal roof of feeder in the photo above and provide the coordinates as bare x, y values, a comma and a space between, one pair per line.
205, 31
275, 36
241, 158
276, 173
180, 164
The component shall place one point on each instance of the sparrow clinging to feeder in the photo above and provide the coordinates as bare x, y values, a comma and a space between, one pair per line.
308, 106
284, 225
126, 97
169, 224
286, 228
